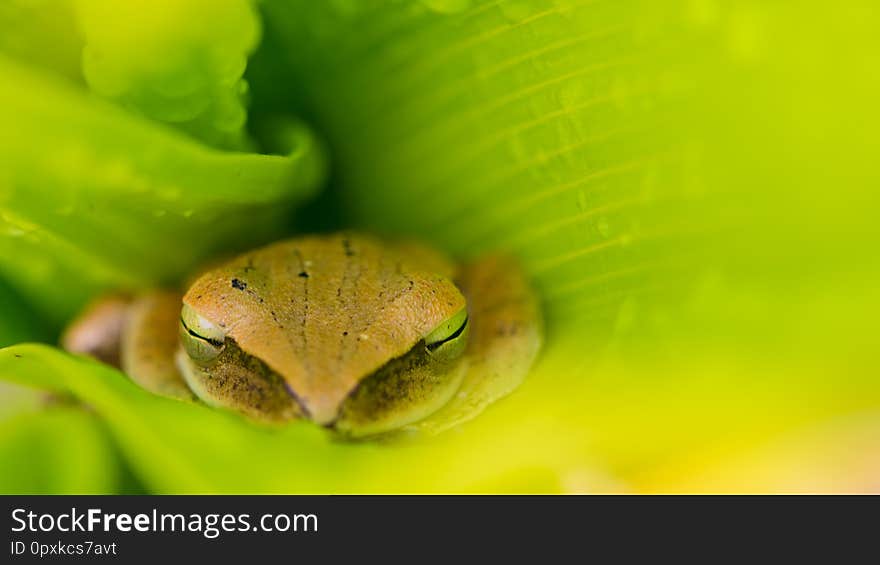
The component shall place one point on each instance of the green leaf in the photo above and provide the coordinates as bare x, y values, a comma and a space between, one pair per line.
62, 450
96, 198
540, 128
19, 322
172, 446
175, 62
43, 34
177, 447
690, 184
179, 63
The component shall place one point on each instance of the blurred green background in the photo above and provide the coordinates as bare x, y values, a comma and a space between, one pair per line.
691, 183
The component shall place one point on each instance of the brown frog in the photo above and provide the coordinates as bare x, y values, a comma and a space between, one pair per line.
354, 333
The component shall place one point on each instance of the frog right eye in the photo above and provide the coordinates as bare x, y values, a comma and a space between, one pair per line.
202, 340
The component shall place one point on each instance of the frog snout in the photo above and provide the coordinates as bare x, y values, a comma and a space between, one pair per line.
321, 410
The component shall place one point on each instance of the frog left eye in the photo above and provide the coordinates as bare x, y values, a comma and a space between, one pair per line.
202, 340
447, 329
450, 337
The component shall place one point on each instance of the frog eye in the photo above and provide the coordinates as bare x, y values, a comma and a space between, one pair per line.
450, 335
202, 340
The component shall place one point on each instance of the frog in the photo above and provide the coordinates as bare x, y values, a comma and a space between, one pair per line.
363, 335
